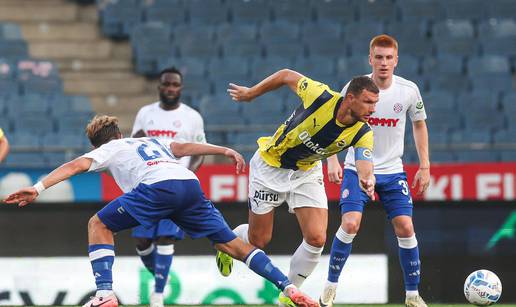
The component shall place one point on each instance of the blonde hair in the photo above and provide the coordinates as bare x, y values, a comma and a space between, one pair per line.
102, 129
383, 40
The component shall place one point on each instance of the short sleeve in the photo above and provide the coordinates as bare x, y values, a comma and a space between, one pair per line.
309, 90
198, 134
138, 122
1, 133
416, 110
366, 141
101, 157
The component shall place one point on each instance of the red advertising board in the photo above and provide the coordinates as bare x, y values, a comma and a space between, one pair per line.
465, 181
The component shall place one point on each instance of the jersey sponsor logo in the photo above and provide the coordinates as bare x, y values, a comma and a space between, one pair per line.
341, 143
163, 133
398, 107
420, 105
303, 85
265, 196
307, 140
388, 122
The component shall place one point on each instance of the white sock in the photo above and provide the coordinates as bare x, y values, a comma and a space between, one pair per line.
242, 231
303, 263
103, 293
411, 293
330, 284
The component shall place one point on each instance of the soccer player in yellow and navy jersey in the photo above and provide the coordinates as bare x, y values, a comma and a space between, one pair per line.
4, 145
287, 166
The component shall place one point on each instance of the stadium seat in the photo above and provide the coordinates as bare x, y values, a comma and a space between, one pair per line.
66, 140
195, 41
235, 68
320, 31
377, 10
443, 64
207, 12
464, 9
439, 100
14, 49
349, 67
455, 37
438, 137
442, 156
9, 87
315, 66
453, 82
247, 138
73, 123
508, 155
418, 10
239, 40
509, 103
263, 67
484, 116
489, 65
270, 103
118, 17
147, 55
285, 10
442, 119
475, 136
483, 97
29, 105
188, 66
284, 50
170, 12
25, 139
216, 137
501, 8
279, 32
504, 137
26, 159
361, 32
245, 11
408, 67
219, 104
498, 36
340, 11
476, 155
35, 124
10, 31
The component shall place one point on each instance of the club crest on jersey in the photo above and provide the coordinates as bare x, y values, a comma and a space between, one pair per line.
398, 107
420, 105
306, 138
341, 144
345, 193
303, 85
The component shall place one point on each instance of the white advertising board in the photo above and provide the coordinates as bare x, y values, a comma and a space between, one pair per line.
193, 280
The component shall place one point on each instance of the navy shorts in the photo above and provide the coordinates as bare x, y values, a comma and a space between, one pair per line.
165, 228
181, 201
392, 189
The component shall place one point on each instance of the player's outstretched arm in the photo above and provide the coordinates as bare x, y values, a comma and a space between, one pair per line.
422, 177
26, 195
282, 77
194, 149
334, 170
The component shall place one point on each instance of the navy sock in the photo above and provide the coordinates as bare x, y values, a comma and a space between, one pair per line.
409, 260
148, 257
102, 257
163, 260
262, 265
339, 254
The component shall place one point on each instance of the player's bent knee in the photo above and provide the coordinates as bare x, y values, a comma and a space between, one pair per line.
316, 240
351, 226
259, 241
95, 223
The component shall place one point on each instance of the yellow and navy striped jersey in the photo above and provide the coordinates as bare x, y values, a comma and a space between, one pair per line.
1, 133
312, 132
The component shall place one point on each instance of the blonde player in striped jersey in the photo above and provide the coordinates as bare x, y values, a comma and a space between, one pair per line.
4, 146
287, 165
398, 98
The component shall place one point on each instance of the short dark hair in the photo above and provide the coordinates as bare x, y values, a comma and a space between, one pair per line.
102, 129
360, 83
171, 70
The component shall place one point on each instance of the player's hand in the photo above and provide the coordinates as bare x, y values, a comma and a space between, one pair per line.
22, 197
367, 185
422, 180
334, 172
237, 158
239, 93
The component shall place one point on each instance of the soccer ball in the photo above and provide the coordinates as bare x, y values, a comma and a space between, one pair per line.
482, 288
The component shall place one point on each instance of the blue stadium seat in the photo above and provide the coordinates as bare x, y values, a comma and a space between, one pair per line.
316, 67
54, 159
118, 17
13, 49
288, 10
455, 37
442, 119
247, 138
219, 104
171, 12
489, 64
151, 32
482, 116
498, 37
36, 76
35, 124
483, 97
188, 66
263, 67
67, 140
279, 32
321, 31
442, 156
73, 123
437, 136
10, 31
245, 11
26, 159
476, 156
147, 55
245, 48
501, 8
443, 64
377, 10
454, 82
504, 137
284, 50
509, 103
216, 137
239, 40
270, 103
471, 137
29, 105
9, 87
412, 37
348, 67
508, 155
464, 9
417, 10
340, 11
439, 100
361, 32
25, 139
408, 67
207, 12
231, 68
195, 41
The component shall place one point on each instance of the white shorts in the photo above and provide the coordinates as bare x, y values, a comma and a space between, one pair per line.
270, 186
